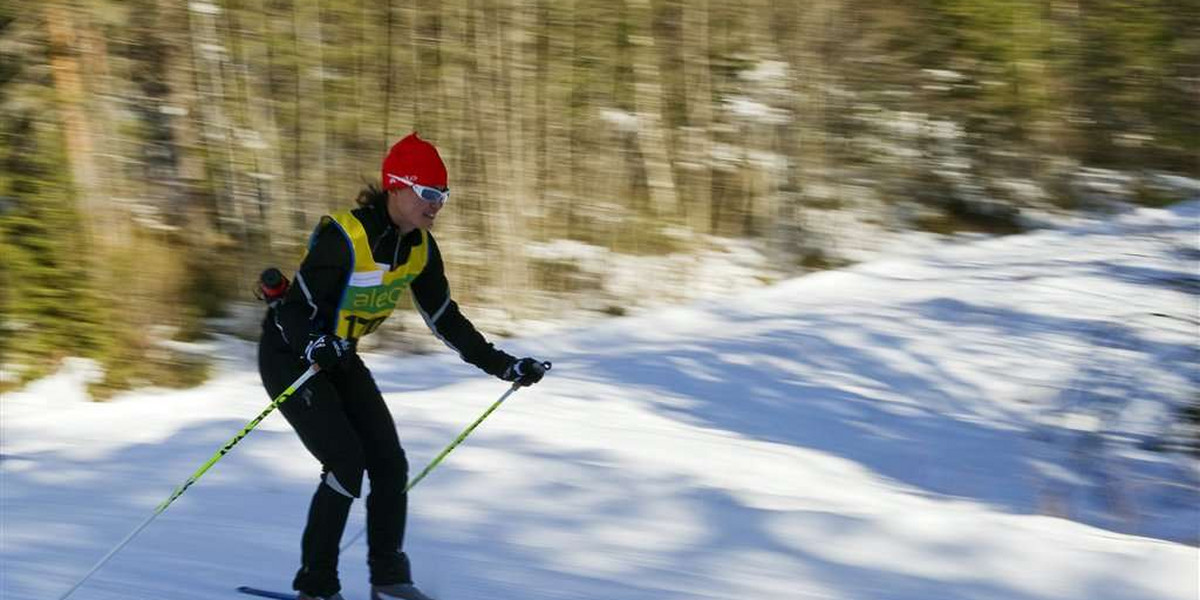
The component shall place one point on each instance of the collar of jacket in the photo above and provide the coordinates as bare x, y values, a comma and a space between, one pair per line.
387, 245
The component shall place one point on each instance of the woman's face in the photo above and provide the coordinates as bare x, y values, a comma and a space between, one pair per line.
408, 211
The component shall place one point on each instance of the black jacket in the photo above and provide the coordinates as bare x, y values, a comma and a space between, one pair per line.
311, 302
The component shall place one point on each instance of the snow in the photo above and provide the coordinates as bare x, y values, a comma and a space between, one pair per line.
964, 423
752, 110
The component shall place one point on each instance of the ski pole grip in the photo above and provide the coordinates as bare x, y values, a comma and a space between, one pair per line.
272, 285
272, 277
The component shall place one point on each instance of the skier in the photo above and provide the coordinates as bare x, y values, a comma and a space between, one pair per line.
358, 264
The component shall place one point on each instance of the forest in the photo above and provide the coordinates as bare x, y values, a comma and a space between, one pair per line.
158, 154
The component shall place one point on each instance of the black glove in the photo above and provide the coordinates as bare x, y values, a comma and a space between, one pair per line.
525, 371
327, 351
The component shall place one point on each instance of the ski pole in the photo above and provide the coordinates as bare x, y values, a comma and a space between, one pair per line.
195, 476
458, 440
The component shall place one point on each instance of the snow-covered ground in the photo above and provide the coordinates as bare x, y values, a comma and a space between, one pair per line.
968, 424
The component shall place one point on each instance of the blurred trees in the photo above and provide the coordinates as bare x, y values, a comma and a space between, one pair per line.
46, 290
159, 153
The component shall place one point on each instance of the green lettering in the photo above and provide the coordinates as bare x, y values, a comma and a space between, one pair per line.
361, 299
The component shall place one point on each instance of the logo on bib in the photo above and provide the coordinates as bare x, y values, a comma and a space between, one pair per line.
378, 298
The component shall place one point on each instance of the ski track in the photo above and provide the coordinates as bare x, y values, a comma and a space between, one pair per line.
965, 425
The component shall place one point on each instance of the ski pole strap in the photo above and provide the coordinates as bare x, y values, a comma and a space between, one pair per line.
195, 476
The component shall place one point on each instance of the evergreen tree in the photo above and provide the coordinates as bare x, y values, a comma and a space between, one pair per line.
48, 301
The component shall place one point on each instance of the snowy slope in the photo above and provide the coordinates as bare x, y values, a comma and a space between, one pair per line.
965, 425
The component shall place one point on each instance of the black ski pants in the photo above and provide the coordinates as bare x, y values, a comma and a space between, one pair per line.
343, 421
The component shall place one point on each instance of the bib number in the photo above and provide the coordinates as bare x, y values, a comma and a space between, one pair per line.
357, 326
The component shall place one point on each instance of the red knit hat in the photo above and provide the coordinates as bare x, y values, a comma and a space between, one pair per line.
416, 160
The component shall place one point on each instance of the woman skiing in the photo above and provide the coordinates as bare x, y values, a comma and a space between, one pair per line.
358, 264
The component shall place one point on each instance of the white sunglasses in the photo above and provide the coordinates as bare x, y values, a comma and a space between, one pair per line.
431, 195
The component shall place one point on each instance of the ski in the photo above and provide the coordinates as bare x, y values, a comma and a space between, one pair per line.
245, 589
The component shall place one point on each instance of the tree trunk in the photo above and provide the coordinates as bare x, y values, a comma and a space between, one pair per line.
698, 85
648, 95
71, 88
